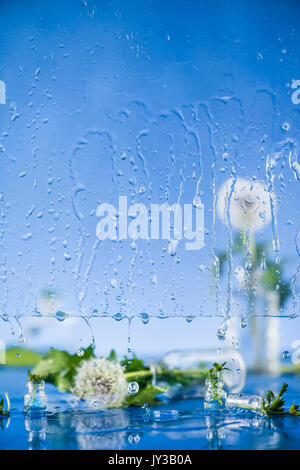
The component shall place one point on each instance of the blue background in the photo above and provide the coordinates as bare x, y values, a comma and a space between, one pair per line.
174, 85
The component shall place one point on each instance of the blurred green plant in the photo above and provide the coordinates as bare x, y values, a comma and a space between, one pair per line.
275, 405
4, 412
19, 357
262, 270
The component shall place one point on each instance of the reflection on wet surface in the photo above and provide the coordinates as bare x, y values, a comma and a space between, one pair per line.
180, 424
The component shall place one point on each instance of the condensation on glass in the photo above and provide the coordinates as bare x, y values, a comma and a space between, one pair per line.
158, 105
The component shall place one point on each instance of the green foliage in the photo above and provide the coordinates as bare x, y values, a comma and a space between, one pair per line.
219, 367
112, 355
294, 410
214, 375
59, 367
33, 377
275, 405
148, 394
187, 377
133, 365
19, 357
4, 412
270, 278
222, 260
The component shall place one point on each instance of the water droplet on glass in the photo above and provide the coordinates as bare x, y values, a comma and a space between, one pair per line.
189, 318
133, 388
285, 126
114, 283
145, 317
80, 352
244, 321
60, 316
263, 265
197, 203
172, 247
221, 334
201, 268
27, 236
286, 354
118, 316
153, 281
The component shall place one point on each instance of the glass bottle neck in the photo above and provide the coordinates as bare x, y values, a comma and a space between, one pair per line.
37, 386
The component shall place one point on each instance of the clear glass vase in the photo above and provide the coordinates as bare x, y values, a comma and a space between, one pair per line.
35, 399
215, 396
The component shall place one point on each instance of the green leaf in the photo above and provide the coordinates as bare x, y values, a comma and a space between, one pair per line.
112, 355
33, 377
283, 389
147, 395
275, 405
52, 363
219, 367
294, 410
2, 411
59, 367
270, 396
133, 365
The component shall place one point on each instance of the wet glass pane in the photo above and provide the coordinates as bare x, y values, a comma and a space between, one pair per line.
108, 111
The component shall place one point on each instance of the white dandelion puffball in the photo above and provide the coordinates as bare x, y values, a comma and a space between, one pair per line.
249, 204
101, 383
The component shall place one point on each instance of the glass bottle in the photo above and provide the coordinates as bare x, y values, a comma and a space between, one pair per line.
243, 400
215, 396
234, 377
35, 399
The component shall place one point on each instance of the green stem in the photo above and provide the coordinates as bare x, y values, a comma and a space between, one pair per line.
190, 373
138, 373
32, 400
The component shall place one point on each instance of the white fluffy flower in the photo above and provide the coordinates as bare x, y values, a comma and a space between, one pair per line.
101, 383
249, 204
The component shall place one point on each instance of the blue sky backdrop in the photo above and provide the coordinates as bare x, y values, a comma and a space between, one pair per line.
143, 99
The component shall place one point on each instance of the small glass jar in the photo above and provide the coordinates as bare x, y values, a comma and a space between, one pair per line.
215, 396
35, 399
243, 400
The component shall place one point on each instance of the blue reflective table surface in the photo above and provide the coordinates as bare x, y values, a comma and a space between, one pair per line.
177, 424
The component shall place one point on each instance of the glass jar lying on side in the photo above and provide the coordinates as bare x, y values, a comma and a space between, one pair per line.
35, 399
193, 365
243, 400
